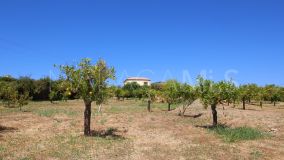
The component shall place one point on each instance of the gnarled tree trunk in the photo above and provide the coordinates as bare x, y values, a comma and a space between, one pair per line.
87, 118
214, 114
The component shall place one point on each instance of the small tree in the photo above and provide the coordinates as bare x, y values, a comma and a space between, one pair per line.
244, 94
235, 95
261, 95
23, 99
229, 91
273, 93
212, 94
253, 91
9, 93
150, 96
187, 95
170, 92
90, 82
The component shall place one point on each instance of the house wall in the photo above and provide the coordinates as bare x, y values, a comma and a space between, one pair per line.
140, 82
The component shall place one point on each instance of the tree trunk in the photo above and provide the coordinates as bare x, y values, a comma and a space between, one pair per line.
87, 118
214, 114
228, 103
244, 104
274, 103
169, 107
149, 106
261, 104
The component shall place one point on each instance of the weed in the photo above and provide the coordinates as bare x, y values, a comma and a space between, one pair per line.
237, 134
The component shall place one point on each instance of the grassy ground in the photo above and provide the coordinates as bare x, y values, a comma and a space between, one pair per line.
125, 130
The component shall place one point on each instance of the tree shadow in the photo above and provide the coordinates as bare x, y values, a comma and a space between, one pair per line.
248, 109
4, 129
194, 116
112, 133
191, 116
212, 127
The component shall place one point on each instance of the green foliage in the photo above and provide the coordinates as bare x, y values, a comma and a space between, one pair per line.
281, 92
248, 92
149, 94
42, 89
186, 96
170, 91
52, 96
14, 94
23, 99
131, 89
7, 78
120, 93
89, 81
211, 93
237, 134
159, 86
273, 93
138, 93
8, 93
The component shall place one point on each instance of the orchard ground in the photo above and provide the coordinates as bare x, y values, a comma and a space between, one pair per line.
125, 130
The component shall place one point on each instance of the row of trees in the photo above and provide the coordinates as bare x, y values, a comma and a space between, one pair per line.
209, 92
171, 92
17, 92
89, 82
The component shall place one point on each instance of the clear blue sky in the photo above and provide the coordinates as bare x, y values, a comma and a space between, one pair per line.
159, 39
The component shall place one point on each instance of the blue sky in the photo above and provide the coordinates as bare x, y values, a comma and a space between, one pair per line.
159, 39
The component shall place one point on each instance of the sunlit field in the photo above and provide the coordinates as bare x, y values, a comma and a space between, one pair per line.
125, 130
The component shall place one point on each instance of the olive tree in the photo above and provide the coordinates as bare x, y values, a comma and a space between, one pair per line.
170, 92
90, 82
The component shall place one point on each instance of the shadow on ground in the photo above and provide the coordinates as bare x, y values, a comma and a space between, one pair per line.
113, 133
194, 116
4, 129
212, 127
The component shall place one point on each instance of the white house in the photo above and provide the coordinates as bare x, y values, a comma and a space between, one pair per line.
142, 81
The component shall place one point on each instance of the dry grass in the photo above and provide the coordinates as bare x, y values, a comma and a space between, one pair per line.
126, 130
